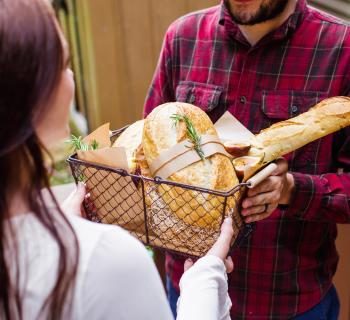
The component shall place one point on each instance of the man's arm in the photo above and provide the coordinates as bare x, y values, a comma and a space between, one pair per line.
161, 89
325, 197
310, 197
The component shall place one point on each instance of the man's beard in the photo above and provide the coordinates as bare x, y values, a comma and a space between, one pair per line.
264, 13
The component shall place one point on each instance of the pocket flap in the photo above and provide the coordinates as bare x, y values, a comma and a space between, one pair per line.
288, 104
204, 96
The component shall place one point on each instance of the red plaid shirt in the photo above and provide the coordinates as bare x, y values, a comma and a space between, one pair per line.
287, 265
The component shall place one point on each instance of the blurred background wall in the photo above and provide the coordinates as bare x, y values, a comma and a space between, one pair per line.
115, 46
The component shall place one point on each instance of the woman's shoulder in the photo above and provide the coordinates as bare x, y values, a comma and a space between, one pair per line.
117, 275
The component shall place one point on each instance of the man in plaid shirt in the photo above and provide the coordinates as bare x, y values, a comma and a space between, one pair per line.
265, 61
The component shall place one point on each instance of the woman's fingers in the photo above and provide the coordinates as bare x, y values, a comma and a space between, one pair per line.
74, 201
188, 264
229, 264
222, 245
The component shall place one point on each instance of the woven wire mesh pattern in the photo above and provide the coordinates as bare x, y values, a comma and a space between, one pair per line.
175, 217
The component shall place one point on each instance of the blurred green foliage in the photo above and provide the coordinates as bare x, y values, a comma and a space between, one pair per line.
61, 173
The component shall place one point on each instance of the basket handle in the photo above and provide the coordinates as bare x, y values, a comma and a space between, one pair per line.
261, 175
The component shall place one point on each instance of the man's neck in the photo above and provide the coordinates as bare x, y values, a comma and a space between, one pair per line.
256, 32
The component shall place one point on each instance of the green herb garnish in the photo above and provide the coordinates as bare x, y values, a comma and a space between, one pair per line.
78, 144
94, 145
191, 132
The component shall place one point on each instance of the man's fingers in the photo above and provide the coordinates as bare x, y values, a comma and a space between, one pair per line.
261, 199
260, 216
254, 210
268, 192
264, 186
282, 167
269, 184
257, 217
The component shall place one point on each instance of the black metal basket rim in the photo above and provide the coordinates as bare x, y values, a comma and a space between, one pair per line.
158, 180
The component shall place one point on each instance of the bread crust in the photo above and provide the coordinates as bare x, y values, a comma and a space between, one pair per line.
215, 173
131, 140
328, 116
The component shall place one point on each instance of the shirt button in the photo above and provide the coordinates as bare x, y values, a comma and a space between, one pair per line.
295, 109
243, 99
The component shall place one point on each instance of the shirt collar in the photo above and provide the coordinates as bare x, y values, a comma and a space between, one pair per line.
289, 25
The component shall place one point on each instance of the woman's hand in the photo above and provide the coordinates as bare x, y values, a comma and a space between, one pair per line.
73, 204
221, 247
262, 200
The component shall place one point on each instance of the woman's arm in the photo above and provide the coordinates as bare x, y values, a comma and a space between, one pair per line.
204, 291
204, 285
119, 279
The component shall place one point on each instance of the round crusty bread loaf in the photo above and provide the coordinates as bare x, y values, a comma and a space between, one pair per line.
215, 173
131, 140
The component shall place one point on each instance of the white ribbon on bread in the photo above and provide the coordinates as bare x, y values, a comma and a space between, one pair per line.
183, 154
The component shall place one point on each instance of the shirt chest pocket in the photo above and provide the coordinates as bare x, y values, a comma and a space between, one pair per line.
204, 96
282, 105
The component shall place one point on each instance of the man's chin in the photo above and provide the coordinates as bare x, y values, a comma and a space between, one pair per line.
263, 14
248, 21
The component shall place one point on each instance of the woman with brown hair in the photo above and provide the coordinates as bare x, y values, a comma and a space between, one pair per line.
56, 265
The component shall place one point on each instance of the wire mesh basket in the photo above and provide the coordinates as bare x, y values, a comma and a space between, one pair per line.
175, 217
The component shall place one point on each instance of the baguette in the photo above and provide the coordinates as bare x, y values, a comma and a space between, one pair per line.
328, 116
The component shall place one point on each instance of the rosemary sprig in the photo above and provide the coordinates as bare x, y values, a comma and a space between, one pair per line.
191, 132
78, 144
94, 145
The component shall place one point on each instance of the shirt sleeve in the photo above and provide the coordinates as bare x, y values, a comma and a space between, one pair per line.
161, 89
121, 282
203, 290
325, 197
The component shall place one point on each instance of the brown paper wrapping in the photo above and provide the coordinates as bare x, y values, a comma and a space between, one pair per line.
111, 157
101, 135
115, 199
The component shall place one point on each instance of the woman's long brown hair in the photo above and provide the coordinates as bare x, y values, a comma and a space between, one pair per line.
31, 65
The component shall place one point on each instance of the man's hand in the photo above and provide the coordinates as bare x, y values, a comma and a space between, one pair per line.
221, 247
262, 200
73, 204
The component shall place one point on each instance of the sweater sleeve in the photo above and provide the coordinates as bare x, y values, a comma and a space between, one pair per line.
203, 290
